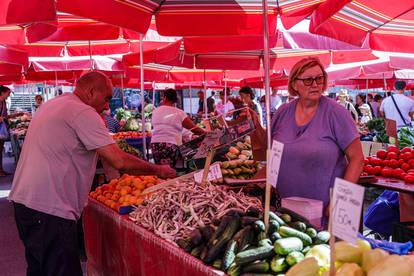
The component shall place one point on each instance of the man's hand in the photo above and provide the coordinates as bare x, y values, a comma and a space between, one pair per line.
165, 171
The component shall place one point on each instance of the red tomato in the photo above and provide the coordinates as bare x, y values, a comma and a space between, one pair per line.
409, 178
367, 168
375, 161
376, 170
391, 155
387, 172
385, 163
397, 173
400, 162
410, 171
366, 162
406, 149
381, 154
406, 156
403, 175
411, 162
393, 149
393, 163
406, 167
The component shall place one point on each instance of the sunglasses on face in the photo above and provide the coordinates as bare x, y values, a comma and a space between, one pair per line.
309, 81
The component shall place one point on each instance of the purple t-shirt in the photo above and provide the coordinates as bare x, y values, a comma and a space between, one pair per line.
314, 154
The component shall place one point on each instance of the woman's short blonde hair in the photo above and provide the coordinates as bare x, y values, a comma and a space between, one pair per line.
300, 67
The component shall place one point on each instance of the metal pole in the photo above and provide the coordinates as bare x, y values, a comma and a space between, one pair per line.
122, 91
205, 95
141, 61
191, 101
385, 81
267, 95
225, 93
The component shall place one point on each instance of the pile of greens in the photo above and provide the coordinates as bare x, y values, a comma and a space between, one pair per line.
406, 137
377, 126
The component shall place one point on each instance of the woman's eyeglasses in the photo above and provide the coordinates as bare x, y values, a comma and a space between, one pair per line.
309, 81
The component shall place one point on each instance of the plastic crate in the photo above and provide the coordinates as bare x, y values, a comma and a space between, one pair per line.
403, 232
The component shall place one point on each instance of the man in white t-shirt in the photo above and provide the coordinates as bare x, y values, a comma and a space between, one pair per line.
55, 173
389, 108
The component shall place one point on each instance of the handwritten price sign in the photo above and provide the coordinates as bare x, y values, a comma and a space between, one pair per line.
214, 173
274, 162
347, 203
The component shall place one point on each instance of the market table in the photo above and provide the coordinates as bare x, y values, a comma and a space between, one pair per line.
117, 246
389, 184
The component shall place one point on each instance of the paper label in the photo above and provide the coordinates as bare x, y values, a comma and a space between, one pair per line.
274, 162
214, 173
347, 203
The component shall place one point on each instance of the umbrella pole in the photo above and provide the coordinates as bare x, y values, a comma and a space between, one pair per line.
122, 91
385, 82
225, 93
191, 101
141, 62
267, 95
205, 95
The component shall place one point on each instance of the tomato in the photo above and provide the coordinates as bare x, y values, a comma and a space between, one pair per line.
410, 171
385, 163
375, 161
367, 168
393, 149
397, 173
406, 156
406, 167
376, 170
391, 155
366, 162
382, 154
393, 163
406, 149
386, 172
364, 174
400, 162
411, 162
409, 178
403, 175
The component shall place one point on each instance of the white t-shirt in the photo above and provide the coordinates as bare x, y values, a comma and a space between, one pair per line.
275, 103
405, 105
58, 161
223, 108
167, 122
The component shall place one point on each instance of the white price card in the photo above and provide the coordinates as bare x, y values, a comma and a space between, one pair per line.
274, 162
347, 203
214, 173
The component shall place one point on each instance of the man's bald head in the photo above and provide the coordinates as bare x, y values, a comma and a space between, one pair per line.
94, 89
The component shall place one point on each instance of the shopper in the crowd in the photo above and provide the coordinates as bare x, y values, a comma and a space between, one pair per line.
360, 100
110, 122
38, 102
398, 107
375, 105
248, 97
320, 138
210, 104
370, 98
342, 100
275, 102
149, 106
168, 122
55, 173
224, 107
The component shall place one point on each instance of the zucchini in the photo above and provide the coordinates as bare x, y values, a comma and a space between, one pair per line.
298, 225
247, 220
265, 242
220, 229
278, 264
229, 255
244, 237
273, 226
287, 232
311, 232
207, 232
306, 250
286, 218
258, 253
294, 258
259, 226
217, 263
275, 236
322, 237
234, 270
273, 216
287, 245
257, 267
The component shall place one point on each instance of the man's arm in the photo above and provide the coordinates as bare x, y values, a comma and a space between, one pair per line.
131, 164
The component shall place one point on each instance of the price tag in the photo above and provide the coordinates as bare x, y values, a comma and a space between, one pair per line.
347, 203
274, 162
214, 173
211, 140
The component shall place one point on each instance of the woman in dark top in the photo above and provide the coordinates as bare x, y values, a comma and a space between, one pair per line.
247, 96
4, 94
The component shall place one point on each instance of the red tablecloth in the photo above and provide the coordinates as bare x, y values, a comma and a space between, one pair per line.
117, 246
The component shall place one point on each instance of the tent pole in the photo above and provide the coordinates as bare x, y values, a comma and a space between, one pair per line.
141, 63
122, 91
385, 82
225, 93
205, 95
267, 95
191, 101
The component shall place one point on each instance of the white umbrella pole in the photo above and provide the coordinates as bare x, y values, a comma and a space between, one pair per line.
385, 81
141, 62
205, 95
122, 91
191, 101
267, 95
225, 93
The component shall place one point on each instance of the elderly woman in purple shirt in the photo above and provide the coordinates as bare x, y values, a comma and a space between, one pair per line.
320, 138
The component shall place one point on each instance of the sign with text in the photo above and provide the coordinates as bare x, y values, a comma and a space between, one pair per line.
275, 156
391, 130
163, 86
214, 173
211, 140
347, 203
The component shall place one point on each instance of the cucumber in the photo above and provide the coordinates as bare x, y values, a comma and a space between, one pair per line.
273, 216
278, 264
275, 236
298, 225
286, 245
265, 242
273, 226
251, 255
306, 250
257, 267
286, 232
234, 270
311, 232
286, 218
294, 258
259, 226
229, 255
322, 237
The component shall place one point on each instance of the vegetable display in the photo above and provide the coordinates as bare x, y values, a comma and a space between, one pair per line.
406, 137
240, 150
20, 124
174, 211
239, 169
129, 134
392, 163
123, 145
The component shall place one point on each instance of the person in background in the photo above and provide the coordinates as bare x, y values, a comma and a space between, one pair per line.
210, 104
320, 138
375, 105
110, 122
247, 96
149, 106
168, 122
342, 100
350, 99
275, 102
411, 96
38, 103
398, 107
223, 107
360, 100
55, 173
